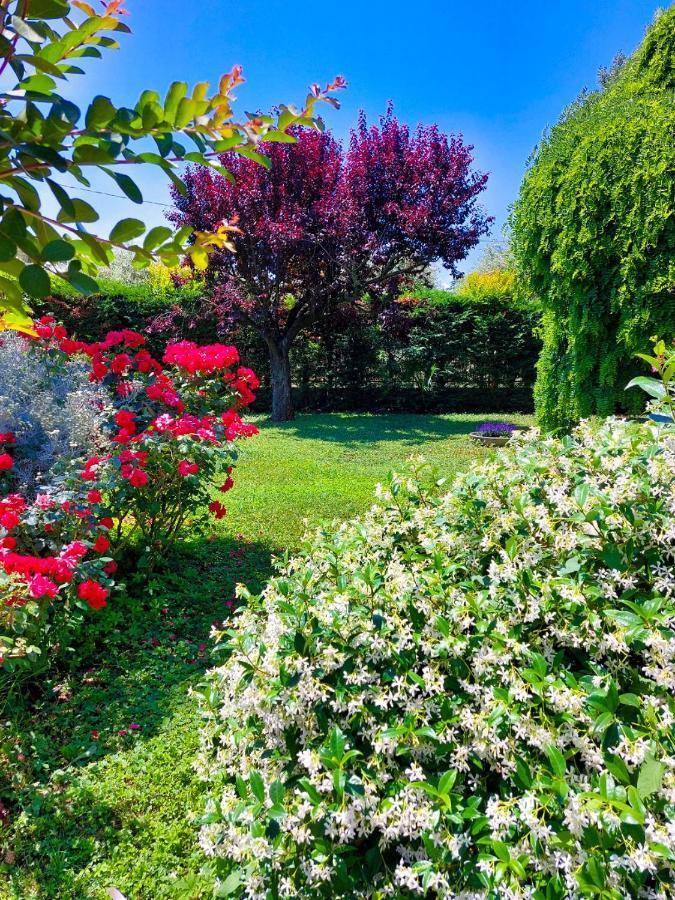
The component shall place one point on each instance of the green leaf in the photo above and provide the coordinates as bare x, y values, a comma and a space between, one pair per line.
650, 777
100, 113
49, 9
35, 281
13, 225
62, 198
281, 137
156, 236
24, 29
277, 793
256, 157
89, 154
57, 251
82, 283
82, 212
127, 230
651, 386
186, 112
174, 95
557, 761
257, 786
229, 886
129, 186
7, 249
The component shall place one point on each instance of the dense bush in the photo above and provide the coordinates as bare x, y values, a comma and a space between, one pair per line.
49, 405
466, 695
594, 234
168, 432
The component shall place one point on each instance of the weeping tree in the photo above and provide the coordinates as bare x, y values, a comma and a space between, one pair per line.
322, 226
594, 233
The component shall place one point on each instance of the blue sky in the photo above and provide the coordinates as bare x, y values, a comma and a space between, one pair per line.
499, 72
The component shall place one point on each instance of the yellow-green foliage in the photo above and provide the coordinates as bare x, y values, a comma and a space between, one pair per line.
161, 277
594, 234
497, 284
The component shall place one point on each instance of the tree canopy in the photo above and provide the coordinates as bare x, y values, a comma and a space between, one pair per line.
326, 225
594, 233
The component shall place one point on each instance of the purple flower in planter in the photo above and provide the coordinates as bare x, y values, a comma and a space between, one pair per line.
495, 429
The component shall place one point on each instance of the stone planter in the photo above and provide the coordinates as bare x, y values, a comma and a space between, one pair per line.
489, 440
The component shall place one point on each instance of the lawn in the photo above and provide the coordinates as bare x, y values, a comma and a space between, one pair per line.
108, 792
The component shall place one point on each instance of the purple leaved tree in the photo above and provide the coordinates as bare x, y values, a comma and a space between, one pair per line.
324, 226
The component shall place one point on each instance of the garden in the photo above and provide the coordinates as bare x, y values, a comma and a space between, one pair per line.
318, 579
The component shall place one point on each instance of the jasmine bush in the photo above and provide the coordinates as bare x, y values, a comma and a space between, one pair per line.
463, 695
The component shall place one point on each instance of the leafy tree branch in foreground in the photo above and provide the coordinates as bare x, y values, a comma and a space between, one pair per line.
47, 143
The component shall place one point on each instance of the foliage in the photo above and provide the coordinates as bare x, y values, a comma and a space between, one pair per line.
498, 284
661, 389
48, 403
325, 226
462, 695
594, 232
74, 777
169, 433
54, 567
478, 336
480, 351
46, 136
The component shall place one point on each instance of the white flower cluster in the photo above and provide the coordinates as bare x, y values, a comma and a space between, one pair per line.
53, 409
462, 696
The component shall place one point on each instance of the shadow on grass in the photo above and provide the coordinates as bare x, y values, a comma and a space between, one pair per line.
352, 429
108, 744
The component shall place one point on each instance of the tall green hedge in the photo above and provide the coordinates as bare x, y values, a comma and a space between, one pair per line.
473, 349
594, 234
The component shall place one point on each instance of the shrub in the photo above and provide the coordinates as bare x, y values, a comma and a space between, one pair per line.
593, 234
49, 404
468, 695
168, 432
55, 566
172, 430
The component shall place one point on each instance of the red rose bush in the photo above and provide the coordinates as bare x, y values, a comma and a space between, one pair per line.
168, 437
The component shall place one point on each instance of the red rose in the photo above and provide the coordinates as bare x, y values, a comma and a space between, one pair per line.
94, 593
101, 544
120, 363
138, 478
9, 520
6, 462
39, 586
185, 467
126, 419
94, 496
217, 508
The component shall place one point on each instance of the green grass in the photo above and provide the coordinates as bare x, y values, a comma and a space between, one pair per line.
116, 811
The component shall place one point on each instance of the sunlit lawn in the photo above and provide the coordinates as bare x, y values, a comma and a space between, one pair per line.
101, 809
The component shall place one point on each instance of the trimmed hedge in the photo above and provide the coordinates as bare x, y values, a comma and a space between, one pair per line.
431, 351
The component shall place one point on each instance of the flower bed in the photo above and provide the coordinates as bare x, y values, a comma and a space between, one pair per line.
467, 695
168, 434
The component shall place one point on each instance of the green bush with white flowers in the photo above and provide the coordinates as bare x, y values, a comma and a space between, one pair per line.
464, 695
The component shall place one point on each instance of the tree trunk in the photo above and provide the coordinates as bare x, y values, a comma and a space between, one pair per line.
280, 368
